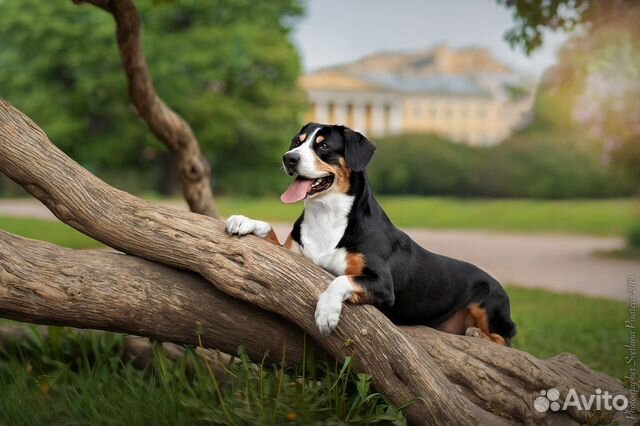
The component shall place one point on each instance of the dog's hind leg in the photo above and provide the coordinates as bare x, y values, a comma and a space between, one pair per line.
477, 323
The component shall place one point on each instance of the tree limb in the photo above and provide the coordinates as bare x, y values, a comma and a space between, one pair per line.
194, 169
437, 368
114, 292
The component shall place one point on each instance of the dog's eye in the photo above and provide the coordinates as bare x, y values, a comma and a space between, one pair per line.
324, 147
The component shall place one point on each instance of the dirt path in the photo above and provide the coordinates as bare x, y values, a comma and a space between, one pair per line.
563, 263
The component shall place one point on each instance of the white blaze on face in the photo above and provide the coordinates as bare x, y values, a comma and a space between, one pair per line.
307, 164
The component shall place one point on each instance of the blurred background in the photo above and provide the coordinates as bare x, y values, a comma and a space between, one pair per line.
508, 131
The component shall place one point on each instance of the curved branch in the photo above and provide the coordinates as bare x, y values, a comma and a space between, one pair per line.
194, 170
250, 269
45, 284
403, 366
114, 292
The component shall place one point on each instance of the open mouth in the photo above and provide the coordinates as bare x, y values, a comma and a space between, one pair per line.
302, 188
319, 185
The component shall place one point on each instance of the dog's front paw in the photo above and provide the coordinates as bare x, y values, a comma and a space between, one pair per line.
328, 312
242, 225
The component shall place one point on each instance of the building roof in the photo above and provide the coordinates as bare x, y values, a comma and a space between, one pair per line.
460, 85
440, 70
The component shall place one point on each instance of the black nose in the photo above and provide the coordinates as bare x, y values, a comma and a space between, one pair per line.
290, 160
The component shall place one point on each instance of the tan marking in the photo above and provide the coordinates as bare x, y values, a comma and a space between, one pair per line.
291, 244
355, 264
477, 317
343, 177
302, 137
472, 316
320, 139
272, 237
360, 295
341, 174
495, 337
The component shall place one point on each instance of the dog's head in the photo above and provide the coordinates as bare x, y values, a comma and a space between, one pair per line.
322, 158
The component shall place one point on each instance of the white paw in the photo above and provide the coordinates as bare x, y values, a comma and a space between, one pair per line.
328, 312
330, 304
242, 225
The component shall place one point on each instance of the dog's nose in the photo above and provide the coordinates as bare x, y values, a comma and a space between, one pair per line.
290, 160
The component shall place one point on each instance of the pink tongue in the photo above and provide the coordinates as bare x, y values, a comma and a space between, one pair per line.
296, 191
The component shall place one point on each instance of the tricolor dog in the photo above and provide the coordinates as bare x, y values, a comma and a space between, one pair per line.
344, 230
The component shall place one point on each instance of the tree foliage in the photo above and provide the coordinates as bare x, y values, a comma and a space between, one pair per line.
532, 18
227, 66
537, 162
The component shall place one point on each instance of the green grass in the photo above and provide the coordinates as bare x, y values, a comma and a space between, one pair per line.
72, 379
600, 217
597, 217
45, 230
592, 328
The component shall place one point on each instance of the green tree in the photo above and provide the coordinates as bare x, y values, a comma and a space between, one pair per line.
595, 85
227, 66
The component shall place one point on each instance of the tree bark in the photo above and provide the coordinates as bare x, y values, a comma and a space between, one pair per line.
171, 129
115, 292
500, 382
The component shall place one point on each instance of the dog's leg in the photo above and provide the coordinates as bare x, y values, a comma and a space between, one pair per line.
357, 289
241, 225
479, 325
329, 304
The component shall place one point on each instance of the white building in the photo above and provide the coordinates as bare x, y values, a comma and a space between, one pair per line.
466, 95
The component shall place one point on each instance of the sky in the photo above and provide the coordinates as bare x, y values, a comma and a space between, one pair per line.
338, 31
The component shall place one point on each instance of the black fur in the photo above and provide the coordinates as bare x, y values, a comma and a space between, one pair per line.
409, 284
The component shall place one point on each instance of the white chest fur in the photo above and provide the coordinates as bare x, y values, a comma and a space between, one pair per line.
324, 223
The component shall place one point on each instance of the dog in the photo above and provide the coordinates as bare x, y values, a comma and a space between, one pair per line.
344, 230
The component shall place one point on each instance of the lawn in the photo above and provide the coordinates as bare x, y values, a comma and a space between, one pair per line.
66, 378
70, 379
46, 230
597, 217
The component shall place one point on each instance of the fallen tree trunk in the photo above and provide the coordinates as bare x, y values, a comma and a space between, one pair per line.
274, 279
114, 292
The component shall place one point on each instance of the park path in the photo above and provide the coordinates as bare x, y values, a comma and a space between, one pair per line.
563, 263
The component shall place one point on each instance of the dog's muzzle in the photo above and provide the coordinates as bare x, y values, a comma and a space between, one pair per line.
290, 162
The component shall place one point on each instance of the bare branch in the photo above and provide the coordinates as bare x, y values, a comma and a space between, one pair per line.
171, 129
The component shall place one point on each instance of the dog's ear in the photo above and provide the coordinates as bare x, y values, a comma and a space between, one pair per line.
358, 150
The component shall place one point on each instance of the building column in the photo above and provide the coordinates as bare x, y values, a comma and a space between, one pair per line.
322, 112
340, 113
379, 123
395, 119
360, 118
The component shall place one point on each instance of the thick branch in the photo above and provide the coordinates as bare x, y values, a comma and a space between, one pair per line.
250, 269
272, 278
45, 284
164, 123
115, 292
